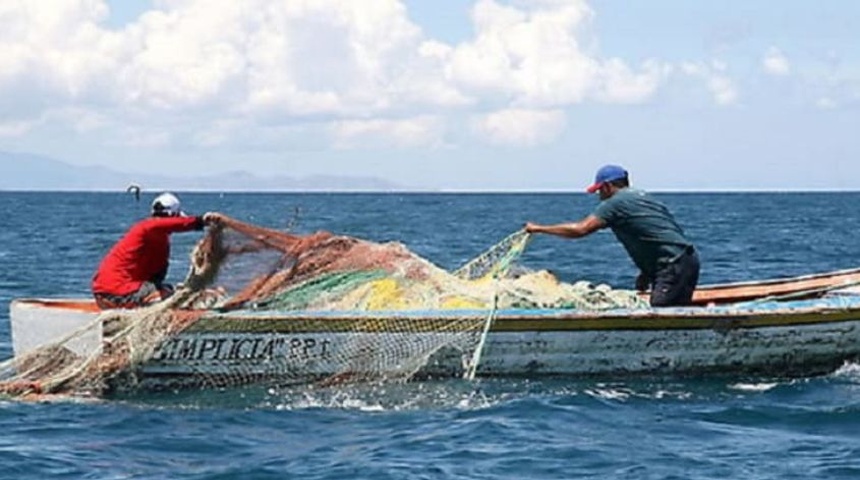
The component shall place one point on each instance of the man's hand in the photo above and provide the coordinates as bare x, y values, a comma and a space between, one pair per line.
642, 282
532, 227
210, 218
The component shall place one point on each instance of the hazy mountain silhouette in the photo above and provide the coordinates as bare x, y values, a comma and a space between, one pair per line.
33, 172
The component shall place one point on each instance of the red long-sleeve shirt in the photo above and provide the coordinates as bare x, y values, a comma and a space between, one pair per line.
142, 255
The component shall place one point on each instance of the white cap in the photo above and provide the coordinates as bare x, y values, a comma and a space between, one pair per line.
167, 205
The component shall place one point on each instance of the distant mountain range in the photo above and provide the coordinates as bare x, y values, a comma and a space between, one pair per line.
34, 172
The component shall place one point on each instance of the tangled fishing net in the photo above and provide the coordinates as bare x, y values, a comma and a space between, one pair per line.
380, 310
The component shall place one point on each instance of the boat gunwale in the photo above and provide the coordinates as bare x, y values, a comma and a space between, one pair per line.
839, 303
780, 280
88, 305
539, 321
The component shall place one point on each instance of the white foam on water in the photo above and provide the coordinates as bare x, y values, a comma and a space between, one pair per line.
663, 394
609, 393
624, 392
754, 387
382, 398
848, 370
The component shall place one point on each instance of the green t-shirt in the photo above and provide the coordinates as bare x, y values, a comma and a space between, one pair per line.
644, 226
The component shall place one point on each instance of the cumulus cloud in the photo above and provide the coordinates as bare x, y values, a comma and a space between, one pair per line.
722, 88
621, 85
518, 127
54, 52
352, 69
775, 63
533, 57
298, 58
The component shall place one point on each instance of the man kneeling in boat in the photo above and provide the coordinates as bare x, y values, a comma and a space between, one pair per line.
667, 260
133, 272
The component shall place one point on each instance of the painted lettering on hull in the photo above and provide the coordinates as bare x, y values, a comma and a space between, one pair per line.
245, 347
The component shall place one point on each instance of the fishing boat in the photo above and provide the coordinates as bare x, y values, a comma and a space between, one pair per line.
796, 326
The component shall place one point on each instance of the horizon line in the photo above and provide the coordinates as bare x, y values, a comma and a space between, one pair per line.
435, 190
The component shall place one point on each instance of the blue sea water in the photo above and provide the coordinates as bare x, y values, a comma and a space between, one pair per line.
653, 428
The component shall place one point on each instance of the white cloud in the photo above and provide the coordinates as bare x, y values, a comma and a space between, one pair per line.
517, 127
143, 138
533, 57
423, 131
293, 58
81, 120
775, 63
55, 51
206, 70
620, 85
216, 134
723, 90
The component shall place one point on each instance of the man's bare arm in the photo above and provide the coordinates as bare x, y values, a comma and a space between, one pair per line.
586, 226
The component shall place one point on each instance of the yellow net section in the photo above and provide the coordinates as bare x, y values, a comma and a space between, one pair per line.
260, 305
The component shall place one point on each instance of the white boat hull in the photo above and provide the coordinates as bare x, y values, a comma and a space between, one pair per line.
299, 347
781, 350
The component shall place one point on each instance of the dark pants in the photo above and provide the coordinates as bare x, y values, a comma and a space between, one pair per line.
674, 282
147, 294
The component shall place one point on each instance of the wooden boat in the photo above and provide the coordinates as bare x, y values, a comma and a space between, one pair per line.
806, 325
807, 286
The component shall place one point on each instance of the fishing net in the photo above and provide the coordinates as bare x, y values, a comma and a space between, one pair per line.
261, 305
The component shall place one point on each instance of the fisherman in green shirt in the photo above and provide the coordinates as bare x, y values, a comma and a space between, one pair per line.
667, 260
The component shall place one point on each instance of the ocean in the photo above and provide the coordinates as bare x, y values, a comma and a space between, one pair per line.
764, 427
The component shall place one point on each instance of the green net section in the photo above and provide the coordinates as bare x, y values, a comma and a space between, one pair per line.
496, 262
261, 305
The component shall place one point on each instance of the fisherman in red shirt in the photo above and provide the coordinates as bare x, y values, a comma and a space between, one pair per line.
133, 272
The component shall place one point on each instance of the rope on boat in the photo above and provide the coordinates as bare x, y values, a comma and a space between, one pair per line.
469, 374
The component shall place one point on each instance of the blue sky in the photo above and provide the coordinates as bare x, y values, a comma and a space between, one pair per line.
450, 94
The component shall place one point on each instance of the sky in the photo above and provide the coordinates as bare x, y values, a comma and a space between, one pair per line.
444, 94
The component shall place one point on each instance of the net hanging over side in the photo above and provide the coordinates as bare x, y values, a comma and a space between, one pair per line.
320, 308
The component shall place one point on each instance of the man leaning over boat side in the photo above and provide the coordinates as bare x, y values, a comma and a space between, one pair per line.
133, 272
667, 260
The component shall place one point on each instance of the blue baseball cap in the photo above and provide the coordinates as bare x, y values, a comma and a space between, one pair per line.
607, 173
